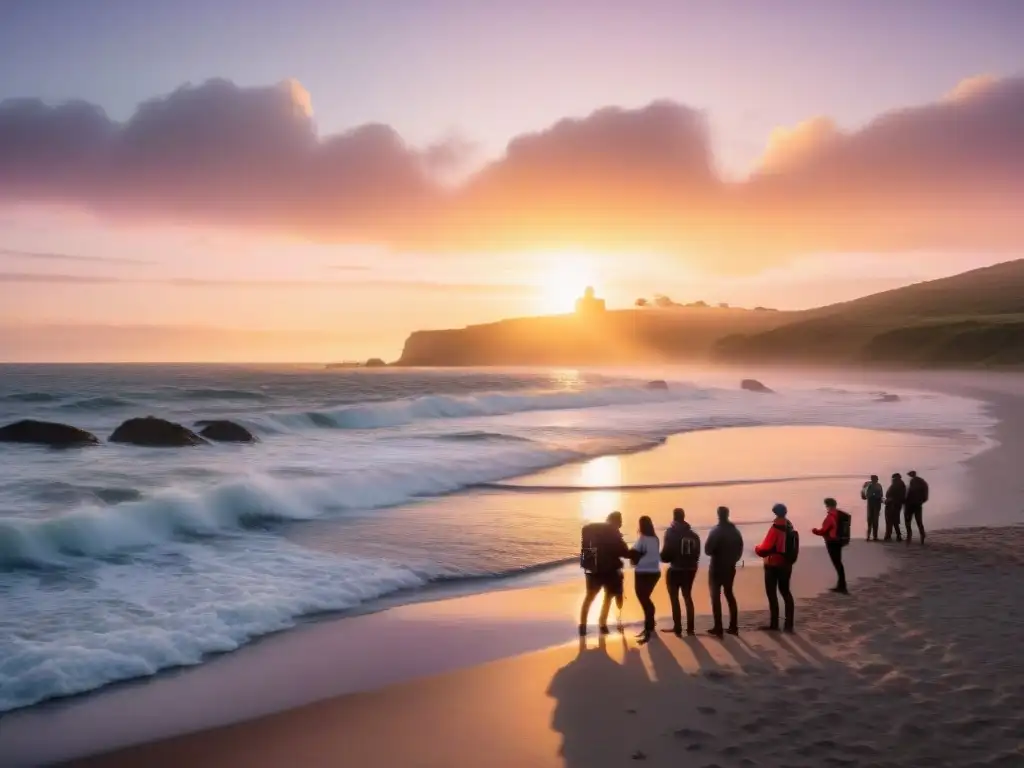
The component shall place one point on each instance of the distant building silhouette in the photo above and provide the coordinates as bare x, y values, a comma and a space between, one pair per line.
588, 304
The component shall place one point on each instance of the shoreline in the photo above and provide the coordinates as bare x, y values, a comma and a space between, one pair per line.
503, 634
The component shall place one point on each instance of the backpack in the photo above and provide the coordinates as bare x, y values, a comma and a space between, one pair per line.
689, 551
590, 546
792, 545
844, 522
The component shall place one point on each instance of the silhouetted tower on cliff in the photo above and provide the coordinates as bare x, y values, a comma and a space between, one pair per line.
588, 304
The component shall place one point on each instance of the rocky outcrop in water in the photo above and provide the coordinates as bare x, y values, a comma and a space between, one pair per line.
657, 384
49, 433
753, 385
375, 362
887, 397
223, 431
152, 432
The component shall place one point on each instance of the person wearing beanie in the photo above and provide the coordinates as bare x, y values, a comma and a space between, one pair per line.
895, 496
779, 551
829, 531
725, 548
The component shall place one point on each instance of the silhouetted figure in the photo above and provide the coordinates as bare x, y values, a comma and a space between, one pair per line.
917, 495
831, 531
725, 548
780, 549
874, 495
681, 550
601, 553
646, 571
895, 496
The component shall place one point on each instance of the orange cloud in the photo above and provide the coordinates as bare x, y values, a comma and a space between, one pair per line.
790, 147
947, 175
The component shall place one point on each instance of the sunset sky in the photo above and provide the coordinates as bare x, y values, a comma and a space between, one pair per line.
311, 180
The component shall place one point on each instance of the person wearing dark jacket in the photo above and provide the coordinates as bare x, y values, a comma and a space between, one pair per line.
874, 495
681, 550
725, 548
605, 570
913, 511
895, 496
778, 570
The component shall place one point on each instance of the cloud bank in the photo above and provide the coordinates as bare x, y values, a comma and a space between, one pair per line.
947, 175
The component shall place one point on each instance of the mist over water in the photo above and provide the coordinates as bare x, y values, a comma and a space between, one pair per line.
118, 561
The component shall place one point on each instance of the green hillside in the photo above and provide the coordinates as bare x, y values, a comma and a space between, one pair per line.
972, 319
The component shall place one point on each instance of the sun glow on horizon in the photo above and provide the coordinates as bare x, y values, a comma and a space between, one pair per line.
562, 280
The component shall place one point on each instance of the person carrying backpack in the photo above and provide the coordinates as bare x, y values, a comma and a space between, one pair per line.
873, 494
835, 530
681, 550
601, 552
780, 549
913, 510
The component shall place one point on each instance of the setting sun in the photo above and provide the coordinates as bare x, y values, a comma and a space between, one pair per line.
563, 281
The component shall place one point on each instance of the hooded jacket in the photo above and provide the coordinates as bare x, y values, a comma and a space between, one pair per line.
672, 547
773, 548
724, 546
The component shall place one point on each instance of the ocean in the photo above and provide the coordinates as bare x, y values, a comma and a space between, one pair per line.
368, 487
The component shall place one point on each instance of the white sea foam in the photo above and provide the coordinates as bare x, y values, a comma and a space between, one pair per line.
171, 607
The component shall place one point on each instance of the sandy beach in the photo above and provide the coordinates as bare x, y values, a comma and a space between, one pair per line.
913, 669
916, 667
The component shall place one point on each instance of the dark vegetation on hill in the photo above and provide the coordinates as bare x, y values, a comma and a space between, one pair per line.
976, 318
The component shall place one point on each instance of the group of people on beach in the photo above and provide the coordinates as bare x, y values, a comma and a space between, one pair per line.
900, 497
603, 550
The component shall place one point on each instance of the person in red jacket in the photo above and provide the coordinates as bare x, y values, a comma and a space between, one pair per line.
778, 570
829, 531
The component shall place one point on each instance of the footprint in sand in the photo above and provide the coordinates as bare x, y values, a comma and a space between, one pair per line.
692, 734
755, 726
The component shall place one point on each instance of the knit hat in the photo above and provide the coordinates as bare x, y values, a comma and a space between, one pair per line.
780, 510
912, 473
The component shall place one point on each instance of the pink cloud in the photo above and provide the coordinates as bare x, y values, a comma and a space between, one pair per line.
946, 175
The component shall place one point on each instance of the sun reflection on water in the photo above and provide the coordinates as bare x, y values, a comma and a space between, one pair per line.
604, 472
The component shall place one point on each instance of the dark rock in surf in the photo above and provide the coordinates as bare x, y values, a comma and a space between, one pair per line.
657, 384
151, 432
753, 385
375, 362
49, 433
223, 431
885, 397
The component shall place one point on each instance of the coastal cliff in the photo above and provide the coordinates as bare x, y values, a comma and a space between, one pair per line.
623, 336
972, 319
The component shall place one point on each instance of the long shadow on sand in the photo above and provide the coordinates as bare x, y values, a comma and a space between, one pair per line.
918, 667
